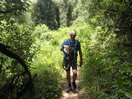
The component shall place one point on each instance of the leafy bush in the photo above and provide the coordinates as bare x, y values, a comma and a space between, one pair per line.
20, 39
46, 65
105, 71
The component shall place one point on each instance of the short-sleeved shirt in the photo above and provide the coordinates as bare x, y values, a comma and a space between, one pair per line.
75, 45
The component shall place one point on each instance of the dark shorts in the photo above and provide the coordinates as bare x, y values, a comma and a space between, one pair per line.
72, 64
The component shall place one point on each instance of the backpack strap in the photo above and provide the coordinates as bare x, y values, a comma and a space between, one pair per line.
76, 42
68, 40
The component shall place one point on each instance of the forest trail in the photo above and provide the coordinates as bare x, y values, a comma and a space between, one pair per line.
80, 95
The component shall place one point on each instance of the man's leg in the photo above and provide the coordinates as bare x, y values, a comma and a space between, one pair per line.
68, 77
74, 80
74, 70
74, 75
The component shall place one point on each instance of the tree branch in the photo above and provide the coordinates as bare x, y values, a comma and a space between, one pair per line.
4, 49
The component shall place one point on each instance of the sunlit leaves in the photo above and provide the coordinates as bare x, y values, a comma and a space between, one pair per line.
129, 94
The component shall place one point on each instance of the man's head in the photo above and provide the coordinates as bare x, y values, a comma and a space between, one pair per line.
72, 34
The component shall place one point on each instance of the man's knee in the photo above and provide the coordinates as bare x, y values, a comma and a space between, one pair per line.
74, 72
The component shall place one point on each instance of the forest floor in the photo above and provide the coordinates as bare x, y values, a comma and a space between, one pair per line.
80, 95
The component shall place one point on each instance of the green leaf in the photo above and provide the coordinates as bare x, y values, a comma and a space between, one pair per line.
129, 70
129, 94
108, 68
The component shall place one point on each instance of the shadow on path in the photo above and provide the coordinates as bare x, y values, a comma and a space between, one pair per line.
80, 95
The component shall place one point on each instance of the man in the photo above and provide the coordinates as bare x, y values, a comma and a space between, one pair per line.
71, 60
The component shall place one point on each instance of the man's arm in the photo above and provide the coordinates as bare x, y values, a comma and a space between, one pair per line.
64, 46
61, 49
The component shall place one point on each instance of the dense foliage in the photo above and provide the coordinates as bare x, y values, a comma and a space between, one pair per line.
19, 41
107, 70
34, 30
46, 12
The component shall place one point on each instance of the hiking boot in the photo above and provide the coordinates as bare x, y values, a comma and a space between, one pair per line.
75, 90
74, 85
68, 89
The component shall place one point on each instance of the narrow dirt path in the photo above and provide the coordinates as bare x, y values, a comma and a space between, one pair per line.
80, 95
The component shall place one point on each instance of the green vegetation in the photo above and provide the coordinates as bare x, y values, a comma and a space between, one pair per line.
35, 33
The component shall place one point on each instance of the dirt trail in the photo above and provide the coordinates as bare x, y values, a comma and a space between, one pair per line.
80, 95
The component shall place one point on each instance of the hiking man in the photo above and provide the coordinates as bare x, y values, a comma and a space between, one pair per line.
71, 47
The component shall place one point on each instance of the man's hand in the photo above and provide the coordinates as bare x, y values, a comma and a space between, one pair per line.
65, 46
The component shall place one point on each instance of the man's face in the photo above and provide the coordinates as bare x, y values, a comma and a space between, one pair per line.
72, 35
